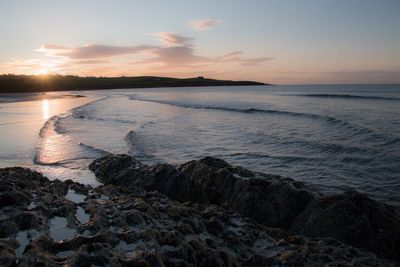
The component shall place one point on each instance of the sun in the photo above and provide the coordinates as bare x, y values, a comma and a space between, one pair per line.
42, 71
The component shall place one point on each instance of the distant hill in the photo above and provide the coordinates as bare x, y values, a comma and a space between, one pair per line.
42, 83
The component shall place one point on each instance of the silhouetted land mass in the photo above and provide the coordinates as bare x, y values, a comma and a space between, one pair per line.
42, 83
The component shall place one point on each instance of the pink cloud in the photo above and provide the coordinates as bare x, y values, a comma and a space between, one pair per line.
203, 24
93, 51
175, 52
170, 38
235, 57
178, 52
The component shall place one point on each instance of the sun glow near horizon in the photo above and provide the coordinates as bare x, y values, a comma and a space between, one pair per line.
42, 72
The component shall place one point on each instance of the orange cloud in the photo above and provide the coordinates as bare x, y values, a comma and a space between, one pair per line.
175, 53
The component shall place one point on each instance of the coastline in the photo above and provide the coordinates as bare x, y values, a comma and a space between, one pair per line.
51, 83
204, 212
23, 117
34, 96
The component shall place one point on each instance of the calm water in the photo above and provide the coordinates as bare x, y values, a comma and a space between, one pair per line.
334, 137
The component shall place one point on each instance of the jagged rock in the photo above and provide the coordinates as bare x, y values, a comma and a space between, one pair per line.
355, 219
269, 199
134, 227
122, 170
7, 257
13, 197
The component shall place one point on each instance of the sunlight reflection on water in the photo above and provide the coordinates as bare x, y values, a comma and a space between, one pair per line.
45, 109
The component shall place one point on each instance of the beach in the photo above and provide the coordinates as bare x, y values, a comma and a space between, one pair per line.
238, 176
203, 213
333, 137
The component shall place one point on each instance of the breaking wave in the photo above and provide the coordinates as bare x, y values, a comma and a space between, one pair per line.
325, 118
348, 96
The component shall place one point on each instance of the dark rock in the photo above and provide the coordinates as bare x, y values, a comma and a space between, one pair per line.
129, 226
7, 257
13, 198
122, 170
355, 219
269, 199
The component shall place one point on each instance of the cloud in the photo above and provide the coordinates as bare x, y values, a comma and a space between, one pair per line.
170, 38
174, 52
91, 61
203, 24
92, 51
235, 57
175, 56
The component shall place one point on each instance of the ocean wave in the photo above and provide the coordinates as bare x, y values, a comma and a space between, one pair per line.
347, 96
135, 145
285, 159
130, 139
332, 120
37, 161
394, 141
81, 112
56, 148
332, 148
48, 129
140, 149
48, 126
85, 115
96, 150
13, 123
89, 113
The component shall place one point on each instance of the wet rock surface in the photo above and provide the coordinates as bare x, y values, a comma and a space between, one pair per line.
269, 199
54, 223
354, 219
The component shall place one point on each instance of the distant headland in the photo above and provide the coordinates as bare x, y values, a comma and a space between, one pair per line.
11, 83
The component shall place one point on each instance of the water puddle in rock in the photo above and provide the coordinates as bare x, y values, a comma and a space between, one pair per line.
122, 245
86, 233
73, 196
266, 246
31, 206
236, 226
59, 230
81, 215
116, 229
65, 254
103, 199
24, 238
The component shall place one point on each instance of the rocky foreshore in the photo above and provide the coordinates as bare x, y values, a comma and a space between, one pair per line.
201, 213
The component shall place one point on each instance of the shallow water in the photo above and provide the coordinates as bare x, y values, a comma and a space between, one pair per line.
59, 230
81, 215
335, 137
73, 196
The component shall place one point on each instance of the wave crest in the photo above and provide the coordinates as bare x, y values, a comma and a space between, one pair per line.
347, 96
324, 118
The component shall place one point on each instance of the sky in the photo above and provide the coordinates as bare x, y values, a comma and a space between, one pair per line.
275, 41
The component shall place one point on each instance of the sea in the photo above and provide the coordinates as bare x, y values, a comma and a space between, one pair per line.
331, 137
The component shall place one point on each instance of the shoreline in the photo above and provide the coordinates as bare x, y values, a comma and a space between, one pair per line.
203, 212
34, 96
53, 83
